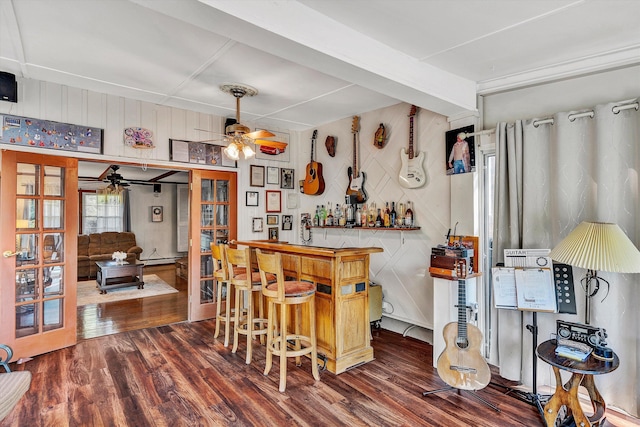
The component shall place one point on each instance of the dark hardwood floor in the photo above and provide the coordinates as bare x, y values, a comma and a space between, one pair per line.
179, 375
95, 320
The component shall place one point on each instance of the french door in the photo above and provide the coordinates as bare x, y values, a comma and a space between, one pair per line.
213, 219
38, 238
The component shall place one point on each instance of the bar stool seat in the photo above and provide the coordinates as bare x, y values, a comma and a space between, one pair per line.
287, 293
245, 322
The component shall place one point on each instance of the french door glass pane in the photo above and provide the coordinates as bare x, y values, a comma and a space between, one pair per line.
53, 312
53, 248
53, 217
222, 191
53, 181
27, 249
53, 281
26, 213
28, 180
207, 190
27, 320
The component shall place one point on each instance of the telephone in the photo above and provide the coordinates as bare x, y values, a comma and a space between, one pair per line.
305, 228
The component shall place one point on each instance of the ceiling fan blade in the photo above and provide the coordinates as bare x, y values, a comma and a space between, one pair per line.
273, 144
259, 134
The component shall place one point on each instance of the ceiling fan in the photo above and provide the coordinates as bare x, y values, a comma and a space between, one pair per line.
239, 136
116, 180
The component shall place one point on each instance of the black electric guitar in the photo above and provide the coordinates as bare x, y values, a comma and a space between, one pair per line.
313, 181
461, 365
355, 190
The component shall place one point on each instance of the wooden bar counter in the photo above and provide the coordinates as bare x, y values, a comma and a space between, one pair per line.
341, 276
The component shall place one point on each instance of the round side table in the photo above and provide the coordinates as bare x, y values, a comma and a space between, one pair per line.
567, 394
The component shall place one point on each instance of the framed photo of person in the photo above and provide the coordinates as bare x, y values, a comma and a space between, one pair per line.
257, 225
272, 219
286, 178
256, 176
252, 198
273, 233
460, 152
273, 175
274, 202
287, 222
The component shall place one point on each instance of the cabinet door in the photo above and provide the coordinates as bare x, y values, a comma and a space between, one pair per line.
39, 208
213, 220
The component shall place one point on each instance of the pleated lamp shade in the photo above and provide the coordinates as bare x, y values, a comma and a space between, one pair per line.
598, 246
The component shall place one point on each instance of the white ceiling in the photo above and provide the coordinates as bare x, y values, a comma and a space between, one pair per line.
314, 61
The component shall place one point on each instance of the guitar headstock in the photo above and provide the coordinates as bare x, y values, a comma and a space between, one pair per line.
413, 111
355, 126
315, 134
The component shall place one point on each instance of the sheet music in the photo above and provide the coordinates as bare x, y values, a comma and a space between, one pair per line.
504, 287
535, 289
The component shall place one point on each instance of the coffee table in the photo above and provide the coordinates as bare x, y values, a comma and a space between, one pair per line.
113, 275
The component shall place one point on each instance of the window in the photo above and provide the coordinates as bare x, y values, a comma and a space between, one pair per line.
102, 212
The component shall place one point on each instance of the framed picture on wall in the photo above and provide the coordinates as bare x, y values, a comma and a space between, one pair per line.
460, 153
156, 213
256, 225
286, 178
256, 176
272, 219
273, 175
273, 201
252, 198
287, 222
273, 233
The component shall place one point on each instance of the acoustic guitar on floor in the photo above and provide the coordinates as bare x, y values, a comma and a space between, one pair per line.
355, 190
313, 181
461, 365
411, 172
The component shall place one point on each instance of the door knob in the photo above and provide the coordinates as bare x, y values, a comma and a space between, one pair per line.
8, 254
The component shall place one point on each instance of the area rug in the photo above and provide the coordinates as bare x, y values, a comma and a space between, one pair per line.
88, 293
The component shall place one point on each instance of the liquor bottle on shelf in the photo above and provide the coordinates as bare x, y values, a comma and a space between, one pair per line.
351, 216
359, 217
371, 216
336, 215
329, 222
343, 216
392, 215
386, 216
316, 217
400, 217
323, 215
379, 220
408, 216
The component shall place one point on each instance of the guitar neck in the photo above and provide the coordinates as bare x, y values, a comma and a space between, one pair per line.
355, 154
411, 137
313, 144
462, 310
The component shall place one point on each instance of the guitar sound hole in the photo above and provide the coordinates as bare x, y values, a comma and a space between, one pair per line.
462, 343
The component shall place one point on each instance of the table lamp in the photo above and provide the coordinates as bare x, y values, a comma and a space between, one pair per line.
597, 246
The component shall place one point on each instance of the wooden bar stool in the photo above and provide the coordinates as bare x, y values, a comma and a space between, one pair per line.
222, 277
246, 284
287, 293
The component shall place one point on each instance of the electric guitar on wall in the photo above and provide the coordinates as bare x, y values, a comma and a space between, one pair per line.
461, 365
313, 181
355, 190
411, 172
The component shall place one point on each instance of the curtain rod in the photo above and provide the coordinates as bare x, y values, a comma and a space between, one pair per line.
481, 132
615, 109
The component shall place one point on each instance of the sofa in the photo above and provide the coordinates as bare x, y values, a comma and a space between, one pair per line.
100, 246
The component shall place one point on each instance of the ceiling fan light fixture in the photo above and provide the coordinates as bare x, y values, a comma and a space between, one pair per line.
248, 151
232, 152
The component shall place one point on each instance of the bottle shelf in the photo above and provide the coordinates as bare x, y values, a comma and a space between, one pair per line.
342, 227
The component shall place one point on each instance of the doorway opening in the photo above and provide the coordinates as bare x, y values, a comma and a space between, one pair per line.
150, 190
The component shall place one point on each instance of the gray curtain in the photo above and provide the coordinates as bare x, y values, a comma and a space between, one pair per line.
126, 213
559, 175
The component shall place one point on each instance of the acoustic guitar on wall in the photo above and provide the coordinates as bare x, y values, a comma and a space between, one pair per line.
460, 364
355, 190
411, 172
313, 181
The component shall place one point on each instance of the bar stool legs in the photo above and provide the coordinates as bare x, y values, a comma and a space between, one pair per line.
244, 321
225, 317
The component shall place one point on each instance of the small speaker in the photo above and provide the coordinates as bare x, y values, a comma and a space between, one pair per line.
8, 87
157, 188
